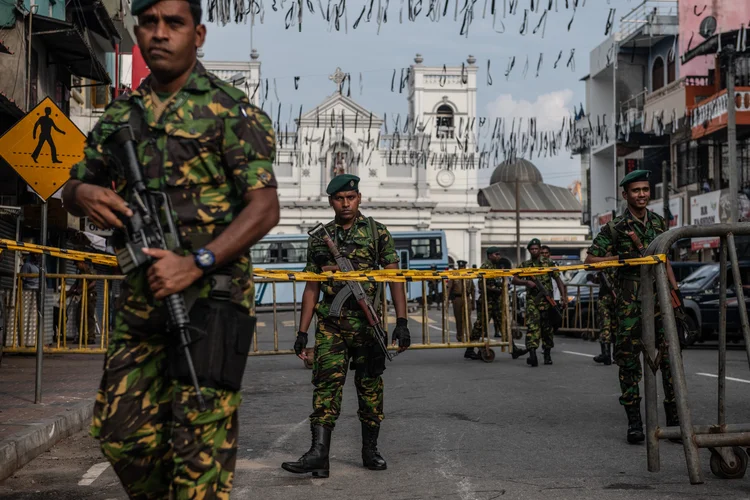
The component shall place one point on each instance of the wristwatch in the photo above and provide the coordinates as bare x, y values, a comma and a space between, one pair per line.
204, 259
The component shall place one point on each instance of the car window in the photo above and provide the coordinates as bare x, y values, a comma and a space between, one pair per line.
702, 276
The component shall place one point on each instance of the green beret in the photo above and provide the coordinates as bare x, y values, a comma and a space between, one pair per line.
635, 176
344, 182
533, 242
139, 6
492, 250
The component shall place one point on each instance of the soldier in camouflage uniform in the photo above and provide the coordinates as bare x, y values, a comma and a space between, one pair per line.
538, 325
615, 240
201, 143
494, 295
348, 338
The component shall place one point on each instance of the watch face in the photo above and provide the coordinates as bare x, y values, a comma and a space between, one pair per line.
205, 259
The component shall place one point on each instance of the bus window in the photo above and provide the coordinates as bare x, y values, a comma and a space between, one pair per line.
265, 253
426, 249
294, 252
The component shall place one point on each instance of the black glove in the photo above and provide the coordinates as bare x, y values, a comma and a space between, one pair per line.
401, 332
300, 343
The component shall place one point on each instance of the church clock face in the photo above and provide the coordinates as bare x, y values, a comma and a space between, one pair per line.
445, 178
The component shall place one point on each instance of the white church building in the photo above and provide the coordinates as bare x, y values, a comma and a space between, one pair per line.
416, 178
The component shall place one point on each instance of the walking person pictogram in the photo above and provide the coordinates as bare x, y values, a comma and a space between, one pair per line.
46, 123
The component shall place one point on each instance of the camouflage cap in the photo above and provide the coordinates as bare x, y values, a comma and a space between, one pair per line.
635, 176
344, 182
534, 241
492, 250
140, 6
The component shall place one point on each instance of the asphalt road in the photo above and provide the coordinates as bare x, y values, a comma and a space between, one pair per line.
454, 429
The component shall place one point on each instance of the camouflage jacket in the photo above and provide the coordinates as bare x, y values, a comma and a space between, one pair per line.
494, 285
544, 279
613, 239
356, 244
208, 149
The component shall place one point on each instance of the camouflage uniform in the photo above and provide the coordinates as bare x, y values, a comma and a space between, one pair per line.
613, 239
206, 151
339, 341
605, 314
456, 295
494, 309
537, 324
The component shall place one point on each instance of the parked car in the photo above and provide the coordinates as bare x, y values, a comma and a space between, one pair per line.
700, 292
684, 269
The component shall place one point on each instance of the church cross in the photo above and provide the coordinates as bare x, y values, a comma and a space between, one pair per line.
338, 77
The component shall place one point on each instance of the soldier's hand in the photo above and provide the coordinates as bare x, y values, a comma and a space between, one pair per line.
300, 344
100, 204
401, 334
171, 273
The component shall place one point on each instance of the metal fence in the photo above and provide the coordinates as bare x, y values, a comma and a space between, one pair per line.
728, 459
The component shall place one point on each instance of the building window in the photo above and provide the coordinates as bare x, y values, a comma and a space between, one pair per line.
671, 67
99, 95
444, 123
692, 163
743, 164
657, 74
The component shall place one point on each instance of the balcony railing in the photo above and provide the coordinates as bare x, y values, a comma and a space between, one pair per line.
645, 14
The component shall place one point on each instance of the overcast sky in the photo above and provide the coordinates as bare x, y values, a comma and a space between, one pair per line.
315, 53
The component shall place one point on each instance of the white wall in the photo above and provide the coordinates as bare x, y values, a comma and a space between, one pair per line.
603, 181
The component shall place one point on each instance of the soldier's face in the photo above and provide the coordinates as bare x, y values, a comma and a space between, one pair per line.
545, 253
345, 204
495, 258
535, 250
637, 194
169, 39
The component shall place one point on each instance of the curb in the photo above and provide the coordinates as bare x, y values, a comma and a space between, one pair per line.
19, 449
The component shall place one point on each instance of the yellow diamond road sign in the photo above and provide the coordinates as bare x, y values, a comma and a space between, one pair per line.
42, 147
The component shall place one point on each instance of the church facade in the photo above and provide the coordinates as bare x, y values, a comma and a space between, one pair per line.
422, 176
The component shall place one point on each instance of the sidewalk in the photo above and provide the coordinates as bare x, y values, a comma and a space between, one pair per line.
69, 384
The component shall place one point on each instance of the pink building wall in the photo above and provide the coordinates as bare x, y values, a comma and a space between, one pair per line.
729, 14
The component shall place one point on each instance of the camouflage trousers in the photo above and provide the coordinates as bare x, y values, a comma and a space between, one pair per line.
150, 427
337, 343
495, 315
538, 326
628, 348
606, 319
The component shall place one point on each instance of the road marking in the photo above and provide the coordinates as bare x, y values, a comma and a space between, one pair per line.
289, 322
580, 354
260, 324
93, 473
418, 319
439, 328
728, 378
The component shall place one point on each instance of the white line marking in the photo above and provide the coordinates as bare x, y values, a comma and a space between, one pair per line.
288, 322
93, 473
261, 324
579, 354
285, 437
439, 329
728, 378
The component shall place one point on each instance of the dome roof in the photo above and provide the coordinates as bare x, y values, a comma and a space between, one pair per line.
520, 169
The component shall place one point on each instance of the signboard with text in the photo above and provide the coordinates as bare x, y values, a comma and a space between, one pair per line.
704, 210
675, 209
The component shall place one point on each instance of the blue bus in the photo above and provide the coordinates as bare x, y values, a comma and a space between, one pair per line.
416, 249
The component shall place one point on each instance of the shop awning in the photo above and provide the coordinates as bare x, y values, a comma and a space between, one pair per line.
8, 107
69, 48
96, 18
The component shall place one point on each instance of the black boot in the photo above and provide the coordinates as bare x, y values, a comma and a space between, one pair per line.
315, 461
470, 353
531, 360
517, 353
547, 356
635, 424
371, 457
606, 355
673, 419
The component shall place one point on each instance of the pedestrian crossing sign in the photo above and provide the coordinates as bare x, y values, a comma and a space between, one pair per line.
42, 147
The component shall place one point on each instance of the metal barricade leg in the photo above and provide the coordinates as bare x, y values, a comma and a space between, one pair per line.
425, 338
678, 375
740, 294
648, 333
722, 379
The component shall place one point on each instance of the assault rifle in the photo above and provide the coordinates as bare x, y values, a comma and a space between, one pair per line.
144, 230
556, 317
352, 288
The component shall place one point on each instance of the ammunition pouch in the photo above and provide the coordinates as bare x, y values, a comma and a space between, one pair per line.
222, 334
